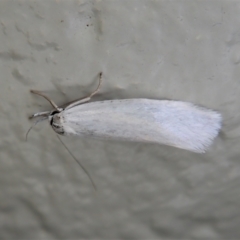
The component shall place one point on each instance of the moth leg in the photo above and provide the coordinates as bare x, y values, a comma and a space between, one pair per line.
45, 114
34, 124
86, 99
47, 98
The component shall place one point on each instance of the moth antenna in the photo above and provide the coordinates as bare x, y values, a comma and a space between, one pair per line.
33, 125
47, 98
85, 99
80, 164
99, 85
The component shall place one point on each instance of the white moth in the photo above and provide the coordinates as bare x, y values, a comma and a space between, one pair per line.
174, 123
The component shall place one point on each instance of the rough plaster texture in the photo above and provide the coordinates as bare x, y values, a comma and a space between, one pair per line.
182, 50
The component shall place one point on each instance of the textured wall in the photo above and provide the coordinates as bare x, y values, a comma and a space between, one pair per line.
183, 50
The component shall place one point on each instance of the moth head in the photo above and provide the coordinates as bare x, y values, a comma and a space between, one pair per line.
55, 119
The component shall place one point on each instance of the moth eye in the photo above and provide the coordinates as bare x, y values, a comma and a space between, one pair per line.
51, 121
54, 112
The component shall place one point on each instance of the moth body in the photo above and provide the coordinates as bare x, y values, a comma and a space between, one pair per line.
173, 123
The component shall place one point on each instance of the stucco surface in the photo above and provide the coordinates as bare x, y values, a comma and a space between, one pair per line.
181, 50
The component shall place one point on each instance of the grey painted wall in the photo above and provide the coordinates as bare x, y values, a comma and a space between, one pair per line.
182, 50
